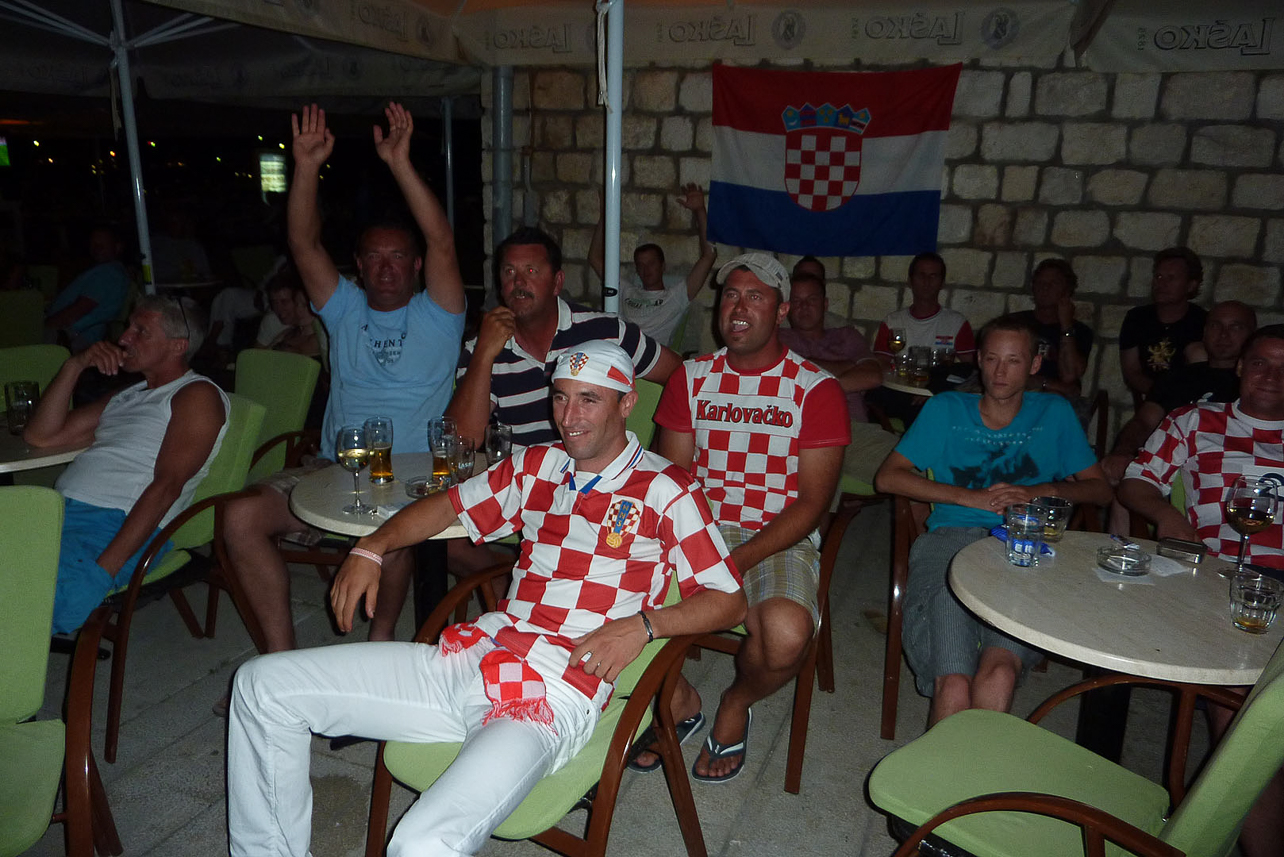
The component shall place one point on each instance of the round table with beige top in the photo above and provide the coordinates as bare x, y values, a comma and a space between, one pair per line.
320, 496
1177, 628
17, 455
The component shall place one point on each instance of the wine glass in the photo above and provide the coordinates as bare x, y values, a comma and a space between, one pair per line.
897, 339
1250, 508
354, 454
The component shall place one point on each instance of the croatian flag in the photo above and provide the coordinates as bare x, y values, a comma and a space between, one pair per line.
829, 163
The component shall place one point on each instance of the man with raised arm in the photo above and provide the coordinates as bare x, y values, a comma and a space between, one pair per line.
985, 452
150, 445
392, 350
653, 300
607, 526
763, 431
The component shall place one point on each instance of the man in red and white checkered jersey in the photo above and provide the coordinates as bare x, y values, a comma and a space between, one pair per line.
1209, 444
764, 432
606, 525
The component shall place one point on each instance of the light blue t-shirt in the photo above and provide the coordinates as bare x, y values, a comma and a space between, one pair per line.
398, 364
1043, 443
107, 285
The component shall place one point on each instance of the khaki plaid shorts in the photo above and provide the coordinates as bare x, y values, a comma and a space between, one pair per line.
283, 482
793, 573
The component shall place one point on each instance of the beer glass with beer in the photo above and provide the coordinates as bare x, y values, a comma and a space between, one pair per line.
379, 433
465, 456
443, 434
1250, 508
353, 452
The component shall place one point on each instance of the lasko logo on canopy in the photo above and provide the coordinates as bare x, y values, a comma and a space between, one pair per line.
822, 154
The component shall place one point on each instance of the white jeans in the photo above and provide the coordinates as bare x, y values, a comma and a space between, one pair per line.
385, 691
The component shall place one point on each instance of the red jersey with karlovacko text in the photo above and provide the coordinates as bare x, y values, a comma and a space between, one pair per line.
749, 428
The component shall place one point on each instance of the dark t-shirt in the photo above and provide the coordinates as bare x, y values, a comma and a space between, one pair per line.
1161, 346
1198, 382
1050, 341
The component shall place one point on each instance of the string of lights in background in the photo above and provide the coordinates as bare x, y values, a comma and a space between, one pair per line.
271, 172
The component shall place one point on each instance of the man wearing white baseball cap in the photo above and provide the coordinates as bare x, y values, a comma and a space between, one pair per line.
763, 431
521, 687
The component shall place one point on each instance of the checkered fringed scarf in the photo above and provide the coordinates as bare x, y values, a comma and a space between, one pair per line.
515, 690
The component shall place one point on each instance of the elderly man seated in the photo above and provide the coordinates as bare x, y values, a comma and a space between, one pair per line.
986, 451
150, 445
607, 525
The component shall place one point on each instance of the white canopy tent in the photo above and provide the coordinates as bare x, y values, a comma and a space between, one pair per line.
77, 48
1106, 35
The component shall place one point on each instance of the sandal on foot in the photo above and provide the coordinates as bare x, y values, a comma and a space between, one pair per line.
721, 751
647, 742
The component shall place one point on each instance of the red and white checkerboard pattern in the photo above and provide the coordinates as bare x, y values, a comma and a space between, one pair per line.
1210, 445
749, 430
822, 167
569, 580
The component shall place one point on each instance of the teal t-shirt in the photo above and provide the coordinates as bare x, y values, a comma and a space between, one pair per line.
1043, 443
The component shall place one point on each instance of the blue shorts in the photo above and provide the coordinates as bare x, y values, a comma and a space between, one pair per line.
82, 582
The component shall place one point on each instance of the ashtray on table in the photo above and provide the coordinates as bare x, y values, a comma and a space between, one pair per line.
1126, 560
423, 486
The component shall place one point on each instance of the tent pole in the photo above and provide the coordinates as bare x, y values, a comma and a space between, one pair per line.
120, 48
502, 165
614, 111
448, 136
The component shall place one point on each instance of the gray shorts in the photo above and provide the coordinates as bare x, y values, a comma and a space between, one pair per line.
940, 636
283, 482
793, 573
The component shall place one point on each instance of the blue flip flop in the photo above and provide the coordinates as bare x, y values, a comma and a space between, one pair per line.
721, 751
648, 742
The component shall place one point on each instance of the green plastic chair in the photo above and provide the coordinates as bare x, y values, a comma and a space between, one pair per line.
22, 318
39, 363
283, 384
200, 524
652, 676
980, 753
640, 421
36, 754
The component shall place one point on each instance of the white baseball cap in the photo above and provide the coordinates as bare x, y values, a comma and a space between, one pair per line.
764, 266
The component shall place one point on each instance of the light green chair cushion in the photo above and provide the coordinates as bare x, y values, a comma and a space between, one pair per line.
419, 765
283, 384
37, 363
30, 769
978, 752
640, 421
30, 537
22, 318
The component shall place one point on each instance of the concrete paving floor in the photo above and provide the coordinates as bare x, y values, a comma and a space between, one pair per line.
167, 789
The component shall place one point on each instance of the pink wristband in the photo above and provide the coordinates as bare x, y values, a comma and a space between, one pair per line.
370, 555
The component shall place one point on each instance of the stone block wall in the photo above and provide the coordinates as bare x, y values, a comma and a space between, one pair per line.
1101, 169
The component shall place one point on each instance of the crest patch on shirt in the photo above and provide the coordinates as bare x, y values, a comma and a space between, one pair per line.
622, 519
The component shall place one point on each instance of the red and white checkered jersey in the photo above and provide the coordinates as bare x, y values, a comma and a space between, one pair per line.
749, 428
595, 547
1210, 444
